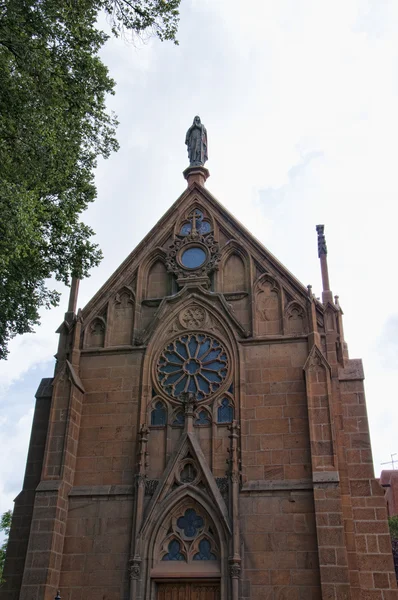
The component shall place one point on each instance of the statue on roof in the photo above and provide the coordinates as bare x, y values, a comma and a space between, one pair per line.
196, 141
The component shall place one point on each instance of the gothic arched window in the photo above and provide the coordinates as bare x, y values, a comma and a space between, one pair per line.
204, 551
174, 551
190, 536
179, 419
225, 412
203, 418
158, 414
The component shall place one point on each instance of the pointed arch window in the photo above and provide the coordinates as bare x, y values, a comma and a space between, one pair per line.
203, 418
190, 536
174, 551
225, 412
158, 414
179, 419
205, 552
190, 523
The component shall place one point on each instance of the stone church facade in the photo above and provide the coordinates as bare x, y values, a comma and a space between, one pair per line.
204, 436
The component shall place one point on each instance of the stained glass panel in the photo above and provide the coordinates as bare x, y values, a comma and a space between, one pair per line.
174, 551
193, 258
225, 413
203, 418
193, 363
179, 418
158, 414
190, 523
204, 551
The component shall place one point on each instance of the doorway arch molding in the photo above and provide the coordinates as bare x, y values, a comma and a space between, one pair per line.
149, 542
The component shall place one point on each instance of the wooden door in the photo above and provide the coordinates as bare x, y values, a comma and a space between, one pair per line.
188, 591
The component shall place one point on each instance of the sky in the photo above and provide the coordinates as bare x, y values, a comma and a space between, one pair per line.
300, 102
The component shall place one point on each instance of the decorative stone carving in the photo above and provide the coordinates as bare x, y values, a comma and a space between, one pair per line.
140, 480
222, 484
235, 477
234, 570
150, 486
123, 316
315, 362
95, 336
268, 306
193, 317
267, 300
295, 319
188, 472
192, 363
203, 263
135, 568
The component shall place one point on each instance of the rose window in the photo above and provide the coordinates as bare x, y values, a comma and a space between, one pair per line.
195, 363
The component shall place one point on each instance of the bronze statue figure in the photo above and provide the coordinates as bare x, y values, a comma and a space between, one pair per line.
196, 141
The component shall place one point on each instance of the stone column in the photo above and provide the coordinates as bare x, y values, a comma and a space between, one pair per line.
45, 547
234, 476
332, 551
140, 479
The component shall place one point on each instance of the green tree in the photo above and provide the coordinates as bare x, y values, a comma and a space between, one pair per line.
393, 525
53, 126
5, 526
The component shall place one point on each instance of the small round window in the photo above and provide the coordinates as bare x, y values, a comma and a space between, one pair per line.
193, 257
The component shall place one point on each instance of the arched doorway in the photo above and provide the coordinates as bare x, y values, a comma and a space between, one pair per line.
187, 555
190, 590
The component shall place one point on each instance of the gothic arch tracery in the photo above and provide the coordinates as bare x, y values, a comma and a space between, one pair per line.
268, 305
295, 319
202, 540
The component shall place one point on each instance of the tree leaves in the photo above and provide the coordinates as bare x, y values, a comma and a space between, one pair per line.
53, 126
5, 526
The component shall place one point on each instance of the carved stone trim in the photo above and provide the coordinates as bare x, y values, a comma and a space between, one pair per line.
235, 295
150, 486
222, 484
140, 480
135, 568
194, 238
193, 317
152, 302
234, 570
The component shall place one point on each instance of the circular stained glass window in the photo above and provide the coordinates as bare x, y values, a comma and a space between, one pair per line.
193, 257
195, 363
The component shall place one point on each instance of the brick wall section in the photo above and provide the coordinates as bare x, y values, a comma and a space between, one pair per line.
275, 437
23, 509
332, 550
312, 518
44, 554
372, 540
96, 548
280, 558
106, 450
